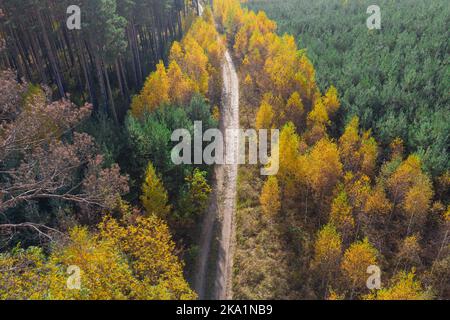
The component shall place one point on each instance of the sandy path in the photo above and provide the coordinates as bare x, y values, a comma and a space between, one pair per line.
227, 204
223, 200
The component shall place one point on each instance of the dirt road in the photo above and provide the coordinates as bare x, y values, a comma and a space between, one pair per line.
227, 205
223, 200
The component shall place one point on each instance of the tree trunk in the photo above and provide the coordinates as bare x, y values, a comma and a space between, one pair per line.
133, 58
86, 72
101, 82
110, 96
119, 78
51, 56
37, 55
124, 78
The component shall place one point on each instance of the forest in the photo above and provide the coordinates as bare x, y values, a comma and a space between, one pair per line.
92, 206
342, 201
395, 79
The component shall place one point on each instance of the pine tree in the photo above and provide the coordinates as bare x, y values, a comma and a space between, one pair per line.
197, 197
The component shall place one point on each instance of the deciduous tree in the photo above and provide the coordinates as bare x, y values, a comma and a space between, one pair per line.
270, 197
154, 196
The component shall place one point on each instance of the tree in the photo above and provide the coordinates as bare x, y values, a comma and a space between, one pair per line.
341, 214
180, 87
349, 146
194, 200
149, 246
377, 204
369, 154
358, 152
319, 114
327, 253
154, 93
357, 258
409, 252
288, 159
105, 35
404, 287
139, 257
265, 116
331, 100
43, 159
411, 187
196, 63
198, 192
295, 109
154, 197
270, 197
91, 63
417, 203
324, 167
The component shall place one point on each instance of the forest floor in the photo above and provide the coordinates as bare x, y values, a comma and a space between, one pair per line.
222, 207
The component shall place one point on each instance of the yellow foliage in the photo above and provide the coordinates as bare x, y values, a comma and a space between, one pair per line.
396, 147
357, 258
176, 53
369, 153
377, 203
194, 66
135, 261
318, 114
324, 166
327, 248
271, 61
154, 197
341, 213
404, 287
306, 76
412, 187
295, 108
180, 86
288, 159
333, 295
216, 113
331, 101
358, 189
358, 152
418, 199
447, 214
349, 145
154, 93
409, 251
270, 197
264, 117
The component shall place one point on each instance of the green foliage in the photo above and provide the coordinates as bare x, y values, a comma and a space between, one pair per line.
149, 140
109, 137
194, 200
